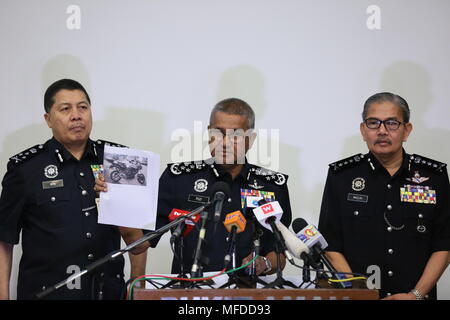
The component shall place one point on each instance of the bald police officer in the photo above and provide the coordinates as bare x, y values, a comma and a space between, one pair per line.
387, 212
48, 196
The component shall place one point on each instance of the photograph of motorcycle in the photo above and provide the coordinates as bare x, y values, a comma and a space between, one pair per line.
124, 169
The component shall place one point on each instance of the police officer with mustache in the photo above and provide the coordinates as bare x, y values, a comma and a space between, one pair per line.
387, 212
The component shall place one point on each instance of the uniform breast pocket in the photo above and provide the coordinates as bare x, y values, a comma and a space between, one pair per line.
418, 219
357, 218
52, 206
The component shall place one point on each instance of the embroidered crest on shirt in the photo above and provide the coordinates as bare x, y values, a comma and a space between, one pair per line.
200, 185
51, 171
417, 178
358, 184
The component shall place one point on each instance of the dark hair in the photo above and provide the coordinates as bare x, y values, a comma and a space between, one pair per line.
234, 106
390, 97
63, 84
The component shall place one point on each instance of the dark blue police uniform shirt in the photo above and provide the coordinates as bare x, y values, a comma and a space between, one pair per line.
48, 195
185, 186
394, 223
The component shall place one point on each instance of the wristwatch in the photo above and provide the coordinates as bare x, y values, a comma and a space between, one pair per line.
417, 293
268, 265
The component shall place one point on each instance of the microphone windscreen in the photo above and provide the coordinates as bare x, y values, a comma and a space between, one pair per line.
235, 219
294, 244
298, 224
221, 186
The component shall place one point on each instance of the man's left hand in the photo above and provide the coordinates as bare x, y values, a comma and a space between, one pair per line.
260, 264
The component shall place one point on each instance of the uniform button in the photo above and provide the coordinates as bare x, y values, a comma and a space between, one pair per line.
84, 192
389, 186
390, 251
90, 256
389, 207
388, 294
87, 213
356, 213
88, 235
420, 216
118, 276
52, 199
43, 288
81, 174
389, 229
390, 273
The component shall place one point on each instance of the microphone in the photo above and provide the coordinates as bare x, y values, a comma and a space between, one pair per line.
309, 234
314, 240
187, 226
220, 191
295, 246
269, 216
234, 223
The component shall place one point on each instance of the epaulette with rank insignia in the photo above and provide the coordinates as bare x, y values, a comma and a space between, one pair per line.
25, 155
269, 175
426, 162
112, 144
187, 167
346, 163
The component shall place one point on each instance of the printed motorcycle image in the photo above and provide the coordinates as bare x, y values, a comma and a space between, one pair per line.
121, 171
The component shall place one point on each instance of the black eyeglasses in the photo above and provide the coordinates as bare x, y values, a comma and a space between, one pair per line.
389, 124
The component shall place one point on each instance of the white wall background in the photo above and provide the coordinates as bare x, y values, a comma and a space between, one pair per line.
154, 66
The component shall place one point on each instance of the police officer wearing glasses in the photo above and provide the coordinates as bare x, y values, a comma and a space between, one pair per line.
387, 212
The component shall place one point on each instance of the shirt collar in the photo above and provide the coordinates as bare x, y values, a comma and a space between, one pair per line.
63, 154
376, 165
223, 174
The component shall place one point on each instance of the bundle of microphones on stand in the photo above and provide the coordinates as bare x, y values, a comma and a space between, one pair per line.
305, 244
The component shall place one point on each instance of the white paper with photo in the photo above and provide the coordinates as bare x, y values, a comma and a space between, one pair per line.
132, 177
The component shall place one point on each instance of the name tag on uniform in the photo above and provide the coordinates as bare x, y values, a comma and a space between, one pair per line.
198, 199
418, 194
358, 197
51, 184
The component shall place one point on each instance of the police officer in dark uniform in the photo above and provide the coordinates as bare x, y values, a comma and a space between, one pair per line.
48, 195
186, 186
386, 213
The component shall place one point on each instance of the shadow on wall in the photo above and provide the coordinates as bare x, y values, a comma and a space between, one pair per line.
135, 128
61, 66
248, 83
126, 125
412, 82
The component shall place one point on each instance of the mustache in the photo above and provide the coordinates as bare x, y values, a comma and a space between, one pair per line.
383, 141
77, 125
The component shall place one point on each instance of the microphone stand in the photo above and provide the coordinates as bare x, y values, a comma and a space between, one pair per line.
115, 254
233, 279
324, 261
306, 275
280, 247
279, 282
257, 232
173, 283
199, 260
